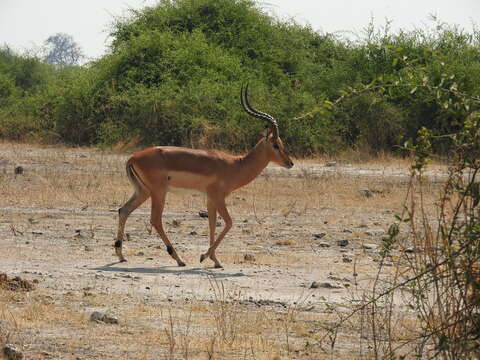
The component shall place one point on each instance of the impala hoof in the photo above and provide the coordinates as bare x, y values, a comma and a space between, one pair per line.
122, 260
218, 266
203, 257
181, 263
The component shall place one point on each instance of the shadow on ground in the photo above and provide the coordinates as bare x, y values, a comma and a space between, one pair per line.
168, 270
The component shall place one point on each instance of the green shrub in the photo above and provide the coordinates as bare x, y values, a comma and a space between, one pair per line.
174, 72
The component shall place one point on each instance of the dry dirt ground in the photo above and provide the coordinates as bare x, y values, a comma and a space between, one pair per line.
58, 221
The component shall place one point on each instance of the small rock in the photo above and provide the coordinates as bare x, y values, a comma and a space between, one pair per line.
248, 257
338, 279
12, 353
5, 324
346, 258
324, 244
342, 243
366, 192
99, 316
18, 170
176, 222
203, 214
319, 235
331, 164
410, 250
193, 232
375, 232
78, 235
326, 285
370, 246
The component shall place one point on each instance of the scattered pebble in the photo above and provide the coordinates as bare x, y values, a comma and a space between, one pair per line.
370, 246
99, 316
18, 170
342, 243
12, 353
366, 192
411, 250
193, 232
326, 285
203, 214
346, 258
331, 164
375, 232
176, 222
248, 257
78, 235
324, 244
319, 235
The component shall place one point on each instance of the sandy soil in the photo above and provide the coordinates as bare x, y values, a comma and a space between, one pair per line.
287, 228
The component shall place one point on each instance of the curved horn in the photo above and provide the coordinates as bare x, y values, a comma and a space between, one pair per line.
258, 114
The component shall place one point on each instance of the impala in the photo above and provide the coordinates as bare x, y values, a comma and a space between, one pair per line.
153, 171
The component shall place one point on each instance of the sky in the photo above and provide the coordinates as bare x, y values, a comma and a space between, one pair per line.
26, 24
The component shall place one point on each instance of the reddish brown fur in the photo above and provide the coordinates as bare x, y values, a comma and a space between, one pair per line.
154, 170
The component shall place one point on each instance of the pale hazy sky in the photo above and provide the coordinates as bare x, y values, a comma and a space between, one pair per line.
25, 24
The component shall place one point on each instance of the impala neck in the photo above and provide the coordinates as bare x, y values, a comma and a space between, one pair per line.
251, 164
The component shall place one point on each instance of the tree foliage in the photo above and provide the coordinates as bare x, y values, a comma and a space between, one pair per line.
62, 50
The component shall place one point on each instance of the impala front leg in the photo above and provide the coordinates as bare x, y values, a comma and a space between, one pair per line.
212, 222
212, 219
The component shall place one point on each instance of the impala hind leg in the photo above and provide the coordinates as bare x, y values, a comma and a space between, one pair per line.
212, 220
137, 199
158, 203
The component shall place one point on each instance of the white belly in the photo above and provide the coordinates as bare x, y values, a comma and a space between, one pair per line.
186, 180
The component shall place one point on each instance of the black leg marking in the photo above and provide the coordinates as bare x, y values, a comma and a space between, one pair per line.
170, 250
118, 244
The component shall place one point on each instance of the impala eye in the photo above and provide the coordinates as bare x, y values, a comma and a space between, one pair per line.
275, 146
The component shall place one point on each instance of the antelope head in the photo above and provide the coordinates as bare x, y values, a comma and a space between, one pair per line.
275, 149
